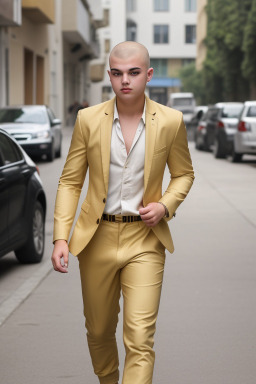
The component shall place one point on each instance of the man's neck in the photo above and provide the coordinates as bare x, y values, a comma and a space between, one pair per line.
132, 108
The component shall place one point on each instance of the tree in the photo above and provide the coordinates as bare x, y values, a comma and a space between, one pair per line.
223, 77
192, 81
249, 46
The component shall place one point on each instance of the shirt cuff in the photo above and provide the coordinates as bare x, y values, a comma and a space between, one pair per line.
166, 210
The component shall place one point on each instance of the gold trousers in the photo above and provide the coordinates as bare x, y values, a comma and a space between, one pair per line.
127, 258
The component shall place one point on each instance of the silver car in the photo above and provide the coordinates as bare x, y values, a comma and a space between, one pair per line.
35, 127
245, 136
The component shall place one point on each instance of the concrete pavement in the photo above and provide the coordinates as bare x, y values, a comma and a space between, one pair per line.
206, 325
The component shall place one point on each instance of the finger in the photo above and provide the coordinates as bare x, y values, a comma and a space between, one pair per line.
148, 216
56, 261
143, 211
65, 259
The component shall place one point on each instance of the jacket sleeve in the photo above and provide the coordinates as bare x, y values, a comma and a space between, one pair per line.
181, 171
70, 183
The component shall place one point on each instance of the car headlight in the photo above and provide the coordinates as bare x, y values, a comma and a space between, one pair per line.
42, 134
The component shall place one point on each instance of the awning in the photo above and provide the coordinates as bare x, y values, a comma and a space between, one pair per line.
164, 82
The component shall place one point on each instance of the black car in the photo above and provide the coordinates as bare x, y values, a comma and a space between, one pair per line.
22, 203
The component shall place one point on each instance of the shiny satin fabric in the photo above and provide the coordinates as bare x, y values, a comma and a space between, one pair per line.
124, 258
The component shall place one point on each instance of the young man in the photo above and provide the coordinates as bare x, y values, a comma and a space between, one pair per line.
122, 232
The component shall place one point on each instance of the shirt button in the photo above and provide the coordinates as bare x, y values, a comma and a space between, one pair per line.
104, 200
98, 221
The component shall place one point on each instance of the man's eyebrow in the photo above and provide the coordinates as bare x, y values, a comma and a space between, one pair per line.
130, 69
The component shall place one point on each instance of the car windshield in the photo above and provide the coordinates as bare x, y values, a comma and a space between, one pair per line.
182, 102
22, 115
251, 111
231, 111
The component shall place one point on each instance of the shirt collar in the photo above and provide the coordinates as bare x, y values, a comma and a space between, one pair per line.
143, 117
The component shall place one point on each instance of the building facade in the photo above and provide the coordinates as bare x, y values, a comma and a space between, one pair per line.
46, 47
166, 27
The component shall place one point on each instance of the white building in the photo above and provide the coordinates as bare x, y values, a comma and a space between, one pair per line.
166, 27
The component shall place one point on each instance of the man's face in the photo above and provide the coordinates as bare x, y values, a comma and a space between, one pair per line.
129, 77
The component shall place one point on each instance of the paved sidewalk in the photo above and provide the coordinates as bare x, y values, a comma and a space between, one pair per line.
206, 326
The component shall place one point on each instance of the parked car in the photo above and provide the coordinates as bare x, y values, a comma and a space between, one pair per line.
184, 102
22, 203
35, 127
200, 133
218, 128
225, 128
245, 135
200, 110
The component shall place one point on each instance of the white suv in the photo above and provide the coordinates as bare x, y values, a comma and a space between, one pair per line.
245, 136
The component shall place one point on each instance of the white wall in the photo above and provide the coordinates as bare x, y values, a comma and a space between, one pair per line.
176, 18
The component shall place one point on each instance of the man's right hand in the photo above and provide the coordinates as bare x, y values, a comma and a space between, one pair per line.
60, 256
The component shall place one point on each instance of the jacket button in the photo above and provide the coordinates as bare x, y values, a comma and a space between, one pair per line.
104, 200
98, 221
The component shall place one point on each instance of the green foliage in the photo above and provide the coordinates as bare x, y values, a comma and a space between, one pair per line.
222, 72
192, 82
249, 46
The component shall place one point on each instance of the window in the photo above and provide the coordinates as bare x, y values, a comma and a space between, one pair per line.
251, 112
161, 34
190, 34
187, 62
161, 5
160, 67
190, 5
9, 152
130, 5
131, 30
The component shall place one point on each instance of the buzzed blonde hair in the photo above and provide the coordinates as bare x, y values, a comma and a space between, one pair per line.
127, 49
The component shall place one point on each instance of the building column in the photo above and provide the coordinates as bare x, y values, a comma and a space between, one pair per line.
3, 67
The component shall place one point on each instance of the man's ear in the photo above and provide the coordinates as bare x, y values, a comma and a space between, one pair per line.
149, 74
108, 73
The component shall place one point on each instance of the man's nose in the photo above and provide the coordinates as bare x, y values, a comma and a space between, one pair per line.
125, 78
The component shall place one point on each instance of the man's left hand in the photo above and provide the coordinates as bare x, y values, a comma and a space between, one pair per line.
152, 214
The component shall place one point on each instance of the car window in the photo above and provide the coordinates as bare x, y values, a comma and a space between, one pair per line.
231, 111
212, 114
51, 114
9, 151
23, 115
251, 111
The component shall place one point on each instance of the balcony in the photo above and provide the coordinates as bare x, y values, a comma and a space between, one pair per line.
39, 11
97, 72
10, 13
78, 29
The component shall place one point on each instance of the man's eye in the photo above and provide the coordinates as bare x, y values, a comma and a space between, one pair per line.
134, 73
116, 74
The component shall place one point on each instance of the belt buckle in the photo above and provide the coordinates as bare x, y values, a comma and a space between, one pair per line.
118, 219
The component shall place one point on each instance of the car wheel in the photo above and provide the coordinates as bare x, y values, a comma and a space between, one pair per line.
236, 157
218, 150
33, 250
51, 154
198, 144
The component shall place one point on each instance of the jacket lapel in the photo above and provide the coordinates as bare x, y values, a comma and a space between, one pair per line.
105, 139
151, 130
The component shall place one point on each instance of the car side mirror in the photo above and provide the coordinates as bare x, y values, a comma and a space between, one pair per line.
55, 122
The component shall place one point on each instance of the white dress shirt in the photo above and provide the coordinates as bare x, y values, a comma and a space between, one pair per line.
126, 173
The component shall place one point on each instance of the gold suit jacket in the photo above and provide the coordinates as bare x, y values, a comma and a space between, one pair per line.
166, 143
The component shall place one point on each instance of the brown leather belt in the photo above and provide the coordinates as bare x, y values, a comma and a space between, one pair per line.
120, 218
